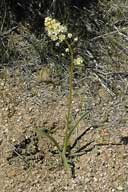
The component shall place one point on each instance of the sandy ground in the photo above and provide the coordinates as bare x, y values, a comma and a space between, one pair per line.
27, 161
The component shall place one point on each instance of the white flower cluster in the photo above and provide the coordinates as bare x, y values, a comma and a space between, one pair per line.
55, 30
59, 33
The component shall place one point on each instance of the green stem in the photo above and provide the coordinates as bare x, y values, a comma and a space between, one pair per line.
62, 155
68, 117
65, 162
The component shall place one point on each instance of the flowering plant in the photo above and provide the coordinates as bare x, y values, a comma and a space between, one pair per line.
59, 34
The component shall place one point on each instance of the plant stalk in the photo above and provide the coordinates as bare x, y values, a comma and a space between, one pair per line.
68, 117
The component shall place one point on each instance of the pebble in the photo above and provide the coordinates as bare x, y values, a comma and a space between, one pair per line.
86, 180
85, 187
104, 95
120, 188
11, 173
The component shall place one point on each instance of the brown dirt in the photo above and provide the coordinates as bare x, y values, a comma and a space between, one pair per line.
35, 168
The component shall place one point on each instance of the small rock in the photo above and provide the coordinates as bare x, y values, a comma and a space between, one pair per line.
86, 180
11, 173
85, 187
104, 95
120, 188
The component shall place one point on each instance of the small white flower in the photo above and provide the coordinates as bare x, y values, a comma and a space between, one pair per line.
78, 61
67, 50
76, 39
63, 29
54, 37
62, 37
69, 35
57, 44
47, 19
